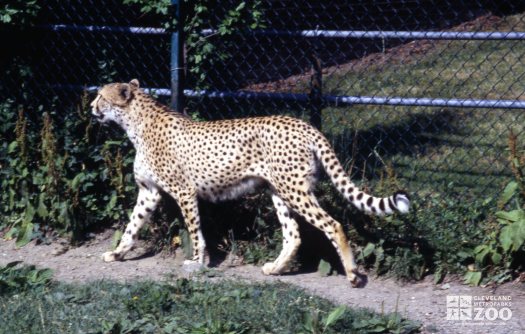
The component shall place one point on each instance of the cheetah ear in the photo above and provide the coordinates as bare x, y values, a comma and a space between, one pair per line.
134, 83
125, 91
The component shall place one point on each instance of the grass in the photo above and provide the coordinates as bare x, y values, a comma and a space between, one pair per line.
434, 147
181, 306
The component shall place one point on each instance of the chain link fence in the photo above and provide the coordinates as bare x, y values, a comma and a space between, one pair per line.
429, 90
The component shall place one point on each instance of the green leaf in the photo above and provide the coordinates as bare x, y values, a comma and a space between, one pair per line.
42, 209
324, 268
508, 192
116, 239
112, 202
335, 315
77, 180
480, 256
439, 275
512, 216
505, 238
496, 257
12, 147
43, 275
465, 255
377, 329
472, 277
512, 236
241, 6
25, 234
369, 249
29, 213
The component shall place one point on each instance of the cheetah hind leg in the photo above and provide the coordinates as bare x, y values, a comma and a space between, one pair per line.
291, 239
315, 215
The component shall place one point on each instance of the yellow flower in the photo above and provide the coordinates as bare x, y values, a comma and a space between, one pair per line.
176, 241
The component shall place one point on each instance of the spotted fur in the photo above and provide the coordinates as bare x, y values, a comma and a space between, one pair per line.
224, 159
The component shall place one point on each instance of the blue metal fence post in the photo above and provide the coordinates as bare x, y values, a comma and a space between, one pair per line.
177, 59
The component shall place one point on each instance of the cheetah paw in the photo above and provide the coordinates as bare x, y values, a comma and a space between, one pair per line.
111, 256
268, 268
356, 279
192, 266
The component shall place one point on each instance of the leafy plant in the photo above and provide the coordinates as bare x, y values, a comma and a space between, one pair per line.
18, 12
16, 278
205, 51
502, 252
56, 178
316, 325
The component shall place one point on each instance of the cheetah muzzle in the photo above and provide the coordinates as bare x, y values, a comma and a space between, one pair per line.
224, 159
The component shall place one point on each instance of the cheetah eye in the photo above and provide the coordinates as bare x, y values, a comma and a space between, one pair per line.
102, 102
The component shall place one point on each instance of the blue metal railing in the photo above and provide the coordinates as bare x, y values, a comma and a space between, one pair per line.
177, 93
436, 35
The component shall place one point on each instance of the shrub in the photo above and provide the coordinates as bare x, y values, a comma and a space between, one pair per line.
57, 177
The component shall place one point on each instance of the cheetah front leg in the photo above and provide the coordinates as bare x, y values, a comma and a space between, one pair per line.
291, 239
147, 201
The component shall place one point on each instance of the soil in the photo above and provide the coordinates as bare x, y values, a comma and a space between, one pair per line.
422, 301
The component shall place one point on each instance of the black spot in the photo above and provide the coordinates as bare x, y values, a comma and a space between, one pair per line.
369, 201
359, 196
140, 216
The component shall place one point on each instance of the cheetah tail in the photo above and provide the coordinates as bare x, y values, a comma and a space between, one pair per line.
399, 201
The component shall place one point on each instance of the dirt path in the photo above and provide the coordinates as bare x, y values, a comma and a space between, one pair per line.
422, 301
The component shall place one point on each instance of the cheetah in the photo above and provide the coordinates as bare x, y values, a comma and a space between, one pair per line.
219, 160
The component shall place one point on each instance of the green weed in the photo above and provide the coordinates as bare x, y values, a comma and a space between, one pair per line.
500, 255
185, 306
57, 178
15, 278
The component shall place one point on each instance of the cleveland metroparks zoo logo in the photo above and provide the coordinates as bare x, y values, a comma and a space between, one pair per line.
479, 308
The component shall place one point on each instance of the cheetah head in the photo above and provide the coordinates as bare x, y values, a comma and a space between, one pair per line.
112, 101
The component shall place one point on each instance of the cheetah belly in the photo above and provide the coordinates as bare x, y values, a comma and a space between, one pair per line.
231, 191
